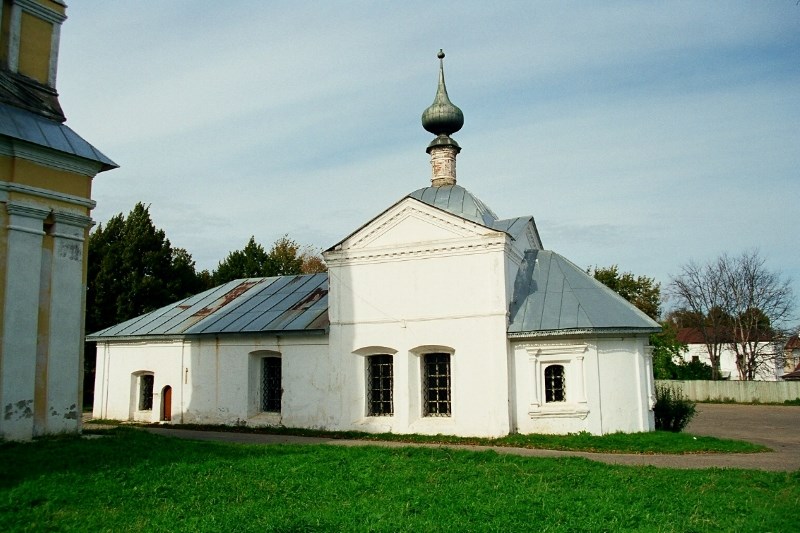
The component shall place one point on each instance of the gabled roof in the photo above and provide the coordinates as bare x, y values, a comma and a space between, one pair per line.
255, 305
33, 128
552, 296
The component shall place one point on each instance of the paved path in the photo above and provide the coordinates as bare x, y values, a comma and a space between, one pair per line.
776, 427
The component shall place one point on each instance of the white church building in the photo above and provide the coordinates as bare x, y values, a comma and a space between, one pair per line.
435, 317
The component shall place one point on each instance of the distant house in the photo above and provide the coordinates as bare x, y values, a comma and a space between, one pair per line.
770, 370
435, 317
46, 173
791, 359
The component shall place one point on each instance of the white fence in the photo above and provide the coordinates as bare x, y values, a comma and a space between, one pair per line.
738, 391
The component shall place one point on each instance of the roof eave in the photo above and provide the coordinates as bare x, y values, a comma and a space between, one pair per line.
160, 337
574, 332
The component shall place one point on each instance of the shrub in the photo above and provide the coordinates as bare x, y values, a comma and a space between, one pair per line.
672, 410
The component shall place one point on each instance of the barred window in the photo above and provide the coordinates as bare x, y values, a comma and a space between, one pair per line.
436, 384
146, 392
380, 382
271, 389
555, 388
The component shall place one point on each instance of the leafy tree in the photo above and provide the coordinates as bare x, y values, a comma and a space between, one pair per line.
645, 294
312, 263
741, 302
641, 291
283, 259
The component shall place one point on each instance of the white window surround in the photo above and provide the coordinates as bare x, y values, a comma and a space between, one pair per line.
571, 357
137, 382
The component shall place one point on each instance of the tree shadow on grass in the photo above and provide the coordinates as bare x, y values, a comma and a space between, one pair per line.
116, 451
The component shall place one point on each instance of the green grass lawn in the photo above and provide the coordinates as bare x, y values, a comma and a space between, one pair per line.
131, 480
643, 443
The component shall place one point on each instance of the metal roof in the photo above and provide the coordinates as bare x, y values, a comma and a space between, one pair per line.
458, 201
254, 305
552, 296
30, 127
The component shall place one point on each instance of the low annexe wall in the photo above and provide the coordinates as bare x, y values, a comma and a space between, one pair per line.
738, 391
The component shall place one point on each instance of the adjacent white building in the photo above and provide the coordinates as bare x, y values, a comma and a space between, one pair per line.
434, 317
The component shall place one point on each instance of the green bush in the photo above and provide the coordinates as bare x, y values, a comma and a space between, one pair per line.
673, 410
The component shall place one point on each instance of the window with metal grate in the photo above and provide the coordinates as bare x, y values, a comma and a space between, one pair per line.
271, 388
555, 388
436, 384
380, 382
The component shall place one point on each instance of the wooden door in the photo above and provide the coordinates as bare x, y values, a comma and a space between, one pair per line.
166, 403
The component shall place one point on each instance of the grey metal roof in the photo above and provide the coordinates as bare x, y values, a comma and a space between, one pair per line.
30, 127
458, 201
553, 296
513, 226
278, 304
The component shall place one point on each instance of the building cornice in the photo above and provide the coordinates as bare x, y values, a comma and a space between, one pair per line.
48, 157
7, 187
430, 249
34, 8
596, 332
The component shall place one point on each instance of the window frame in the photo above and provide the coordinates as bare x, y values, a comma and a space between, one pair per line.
271, 394
381, 362
572, 358
146, 381
432, 407
555, 386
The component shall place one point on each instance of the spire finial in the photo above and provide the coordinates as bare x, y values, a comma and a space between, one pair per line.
443, 118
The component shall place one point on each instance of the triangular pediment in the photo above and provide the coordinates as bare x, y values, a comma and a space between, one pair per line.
411, 222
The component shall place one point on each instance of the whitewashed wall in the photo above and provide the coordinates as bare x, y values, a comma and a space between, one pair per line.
415, 281
609, 385
214, 381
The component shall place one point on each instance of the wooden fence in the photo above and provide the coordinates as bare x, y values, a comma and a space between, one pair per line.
737, 391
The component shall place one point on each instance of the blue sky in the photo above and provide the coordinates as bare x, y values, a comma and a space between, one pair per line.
639, 134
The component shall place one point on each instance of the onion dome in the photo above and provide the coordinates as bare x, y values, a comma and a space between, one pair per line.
442, 118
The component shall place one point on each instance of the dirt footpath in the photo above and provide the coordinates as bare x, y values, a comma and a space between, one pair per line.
776, 427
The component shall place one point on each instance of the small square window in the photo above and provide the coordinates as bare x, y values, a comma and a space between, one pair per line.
555, 388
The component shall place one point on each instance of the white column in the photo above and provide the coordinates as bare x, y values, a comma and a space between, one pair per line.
14, 28
20, 320
580, 391
533, 376
55, 43
65, 339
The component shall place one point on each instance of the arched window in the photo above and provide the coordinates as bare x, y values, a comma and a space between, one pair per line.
555, 389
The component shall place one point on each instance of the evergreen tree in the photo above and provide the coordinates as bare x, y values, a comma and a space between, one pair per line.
250, 262
132, 270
